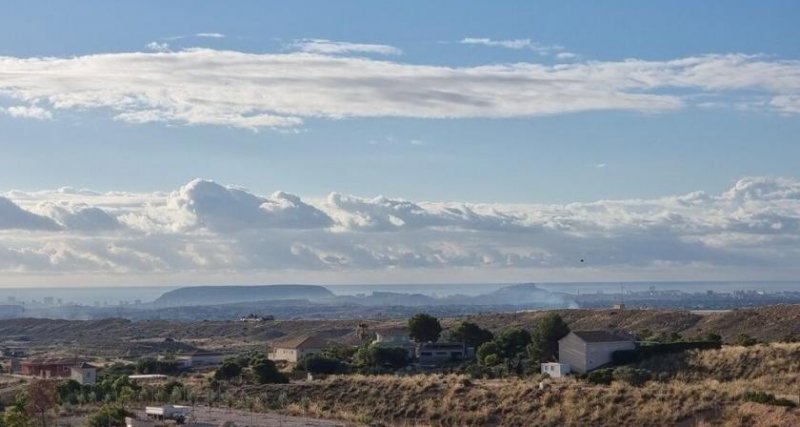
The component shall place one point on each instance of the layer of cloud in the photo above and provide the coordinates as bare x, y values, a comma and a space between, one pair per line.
28, 112
210, 35
519, 44
331, 47
207, 227
158, 47
253, 91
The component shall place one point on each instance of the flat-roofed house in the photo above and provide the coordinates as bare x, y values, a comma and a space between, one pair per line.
48, 368
587, 350
294, 349
204, 358
437, 353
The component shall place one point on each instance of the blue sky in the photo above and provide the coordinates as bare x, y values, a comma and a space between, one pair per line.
488, 104
550, 158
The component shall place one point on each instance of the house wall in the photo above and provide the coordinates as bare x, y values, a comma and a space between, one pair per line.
572, 351
287, 354
599, 353
84, 376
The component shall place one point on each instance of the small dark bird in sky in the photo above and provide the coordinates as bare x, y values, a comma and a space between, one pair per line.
581, 259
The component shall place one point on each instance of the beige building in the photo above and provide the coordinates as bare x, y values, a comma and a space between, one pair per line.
292, 350
84, 374
587, 350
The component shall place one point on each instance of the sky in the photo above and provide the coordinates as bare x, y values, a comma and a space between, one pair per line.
176, 142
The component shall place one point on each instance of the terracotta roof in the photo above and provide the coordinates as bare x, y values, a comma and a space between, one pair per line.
602, 336
303, 341
50, 361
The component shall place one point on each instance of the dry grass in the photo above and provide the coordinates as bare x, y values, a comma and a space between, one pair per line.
708, 393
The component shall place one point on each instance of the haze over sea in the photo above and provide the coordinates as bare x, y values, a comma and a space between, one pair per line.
108, 295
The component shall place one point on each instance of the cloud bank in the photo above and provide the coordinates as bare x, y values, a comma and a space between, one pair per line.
205, 228
269, 90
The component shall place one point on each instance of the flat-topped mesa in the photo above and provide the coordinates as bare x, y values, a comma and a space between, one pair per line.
213, 295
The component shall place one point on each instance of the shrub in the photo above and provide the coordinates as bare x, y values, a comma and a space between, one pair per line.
109, 415
600, 376
766, 398
228, 370
745, 340
383, 357
266, 372
625, 357
320, 364
632, 376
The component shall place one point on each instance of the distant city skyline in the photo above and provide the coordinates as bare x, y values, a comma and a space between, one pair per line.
350, 142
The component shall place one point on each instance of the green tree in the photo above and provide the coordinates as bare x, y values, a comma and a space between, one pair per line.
424, 328
512, 342
544, 345
266, 372
488, 349
108, 415
382, 357
470, 333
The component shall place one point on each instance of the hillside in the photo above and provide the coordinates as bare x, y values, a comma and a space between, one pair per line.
766, 324
711, 394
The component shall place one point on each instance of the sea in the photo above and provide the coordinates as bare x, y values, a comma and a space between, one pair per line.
110, 295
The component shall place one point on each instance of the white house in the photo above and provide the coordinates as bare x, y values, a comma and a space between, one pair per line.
555, 370
292, 350
204, 358
587, 350
84, 374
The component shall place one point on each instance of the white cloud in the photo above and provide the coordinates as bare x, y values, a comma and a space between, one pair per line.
330, 47
14, 217
158, 47
566, 55
516, 44
28, 112
227, 88
210, 35
204, 228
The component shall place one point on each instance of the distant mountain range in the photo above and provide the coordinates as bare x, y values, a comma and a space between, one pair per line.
215, 295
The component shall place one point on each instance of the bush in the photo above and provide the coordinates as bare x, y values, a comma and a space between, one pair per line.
745, 340
228, 370
600, 376
766, 399
384, 357
625, 357
109, 415
632, 376
266, 372
153, 366
320, 364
